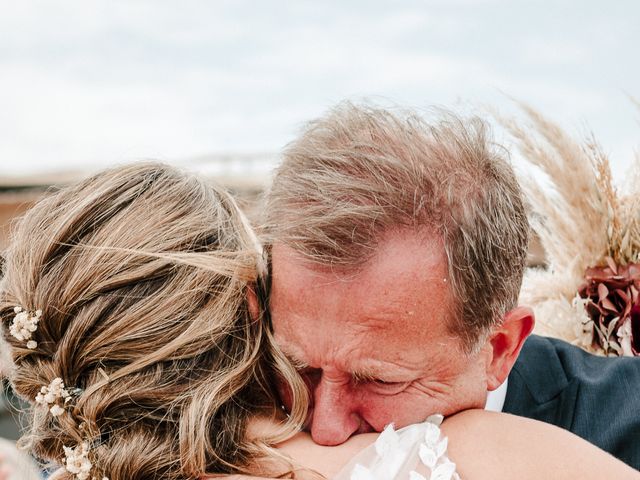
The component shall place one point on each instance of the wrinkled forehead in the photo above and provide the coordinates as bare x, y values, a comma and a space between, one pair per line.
398, 300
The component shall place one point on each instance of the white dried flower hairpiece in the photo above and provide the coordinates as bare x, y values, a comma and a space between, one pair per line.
52, 395
56, 396
24, 324
77, 461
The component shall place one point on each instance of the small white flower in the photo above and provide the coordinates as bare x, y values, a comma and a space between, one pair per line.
444, 471
51, 395
436, 419
56, 410
431, 434
387, 441
441, 447
388, 448
433, 451
77, 461
428, 456
24, 324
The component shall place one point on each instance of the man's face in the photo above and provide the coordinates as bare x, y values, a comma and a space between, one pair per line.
373, 345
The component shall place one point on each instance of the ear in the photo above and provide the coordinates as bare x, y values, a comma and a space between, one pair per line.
506, 342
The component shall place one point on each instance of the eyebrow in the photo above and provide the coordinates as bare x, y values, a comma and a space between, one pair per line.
381, 372
295, 361
363, 376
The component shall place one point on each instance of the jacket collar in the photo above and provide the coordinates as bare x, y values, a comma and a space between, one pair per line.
538, 370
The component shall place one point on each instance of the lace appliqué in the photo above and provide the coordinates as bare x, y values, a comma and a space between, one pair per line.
395, 450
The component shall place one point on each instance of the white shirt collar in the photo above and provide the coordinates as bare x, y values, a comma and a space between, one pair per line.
496, 398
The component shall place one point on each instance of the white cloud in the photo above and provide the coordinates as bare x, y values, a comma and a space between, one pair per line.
558, 52
98, 81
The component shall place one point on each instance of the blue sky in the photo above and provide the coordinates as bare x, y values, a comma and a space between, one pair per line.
86, 83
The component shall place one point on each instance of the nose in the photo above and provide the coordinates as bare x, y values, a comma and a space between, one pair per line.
334, 415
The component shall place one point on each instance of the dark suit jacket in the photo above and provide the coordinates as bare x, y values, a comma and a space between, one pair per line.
594, 397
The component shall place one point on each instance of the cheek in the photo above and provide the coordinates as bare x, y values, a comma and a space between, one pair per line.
472, 381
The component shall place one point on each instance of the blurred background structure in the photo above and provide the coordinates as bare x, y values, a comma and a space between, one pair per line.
220, 87
240, 173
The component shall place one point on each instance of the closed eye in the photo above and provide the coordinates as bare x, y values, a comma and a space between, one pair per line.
383, 387
379, 385
378, 381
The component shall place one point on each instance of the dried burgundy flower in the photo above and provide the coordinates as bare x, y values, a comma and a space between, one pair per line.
613, 293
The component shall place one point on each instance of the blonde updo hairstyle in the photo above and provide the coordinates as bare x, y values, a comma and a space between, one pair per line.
142, 274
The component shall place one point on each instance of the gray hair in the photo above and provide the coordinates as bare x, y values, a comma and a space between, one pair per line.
360, 171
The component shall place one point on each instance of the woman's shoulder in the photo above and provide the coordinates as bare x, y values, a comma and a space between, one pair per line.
489, 445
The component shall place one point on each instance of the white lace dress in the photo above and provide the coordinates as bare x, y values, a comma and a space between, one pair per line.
399, 455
